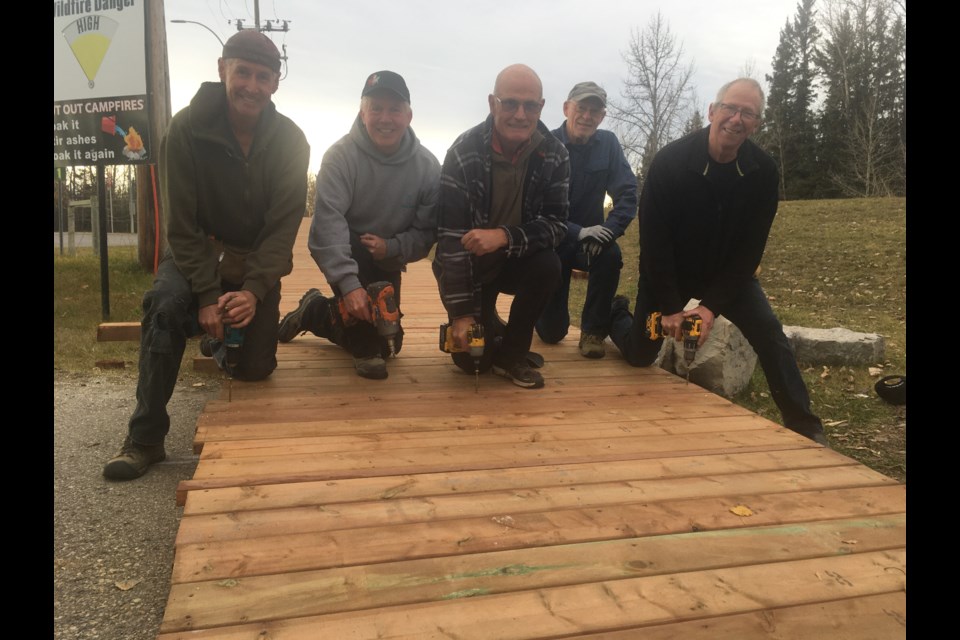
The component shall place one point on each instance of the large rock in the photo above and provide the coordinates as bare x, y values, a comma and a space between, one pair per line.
835, 346
724, 364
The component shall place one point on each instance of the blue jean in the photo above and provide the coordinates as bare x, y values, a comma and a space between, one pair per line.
170, 316
752, 314
604, 278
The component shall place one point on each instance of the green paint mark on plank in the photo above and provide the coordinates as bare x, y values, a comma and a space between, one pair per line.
466, 593
509, 570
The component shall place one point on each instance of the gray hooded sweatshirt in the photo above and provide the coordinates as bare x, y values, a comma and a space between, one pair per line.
362, 190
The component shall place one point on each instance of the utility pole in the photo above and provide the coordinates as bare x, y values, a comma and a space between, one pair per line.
271, 25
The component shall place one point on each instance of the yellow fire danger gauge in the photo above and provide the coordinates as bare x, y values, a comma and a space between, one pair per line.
89, 38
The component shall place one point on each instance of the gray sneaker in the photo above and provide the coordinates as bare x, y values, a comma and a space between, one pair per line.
290, 325
591, 345
374, 367
133, 460
520, 374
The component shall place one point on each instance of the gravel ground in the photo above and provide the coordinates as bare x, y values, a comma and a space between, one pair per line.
113, 542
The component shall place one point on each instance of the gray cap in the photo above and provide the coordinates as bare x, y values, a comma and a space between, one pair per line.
583, 90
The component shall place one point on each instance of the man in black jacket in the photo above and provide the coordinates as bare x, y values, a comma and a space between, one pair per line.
706, 208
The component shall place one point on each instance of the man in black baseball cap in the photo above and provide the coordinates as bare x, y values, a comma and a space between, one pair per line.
233, 180
375, 213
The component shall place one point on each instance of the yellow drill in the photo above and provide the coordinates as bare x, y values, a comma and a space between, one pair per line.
475, 345
691, 329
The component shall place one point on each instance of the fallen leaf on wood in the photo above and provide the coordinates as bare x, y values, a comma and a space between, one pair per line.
741, 510
230, 582
126, 585
850, 541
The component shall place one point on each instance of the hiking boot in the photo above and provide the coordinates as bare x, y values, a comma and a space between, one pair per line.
133, 460
520, 374
373, 367
591, 345
290, 325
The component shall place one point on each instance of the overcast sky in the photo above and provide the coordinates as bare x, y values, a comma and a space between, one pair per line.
449, 52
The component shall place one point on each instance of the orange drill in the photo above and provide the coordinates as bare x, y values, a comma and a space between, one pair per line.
386, 313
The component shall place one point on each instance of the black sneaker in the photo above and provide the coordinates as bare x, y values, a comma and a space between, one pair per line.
374, 367
133, 460
290, 325
620, 303
520, 374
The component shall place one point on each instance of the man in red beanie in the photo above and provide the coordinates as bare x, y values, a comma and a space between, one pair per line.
233, 180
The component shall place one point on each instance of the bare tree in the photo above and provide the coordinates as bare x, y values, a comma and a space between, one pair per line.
656, 94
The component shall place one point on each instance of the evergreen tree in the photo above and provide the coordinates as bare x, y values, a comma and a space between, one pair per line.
862, 119
790, 127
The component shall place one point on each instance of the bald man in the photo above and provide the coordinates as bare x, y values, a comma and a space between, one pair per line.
503, 211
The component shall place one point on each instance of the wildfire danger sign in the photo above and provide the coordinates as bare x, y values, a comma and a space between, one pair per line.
100, 108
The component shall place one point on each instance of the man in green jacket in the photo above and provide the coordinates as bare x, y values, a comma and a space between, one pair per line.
233, 179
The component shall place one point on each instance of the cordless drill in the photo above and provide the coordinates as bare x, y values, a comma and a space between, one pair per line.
386, 313
475, 345
691, 329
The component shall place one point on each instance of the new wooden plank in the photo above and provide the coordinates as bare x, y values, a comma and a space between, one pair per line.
600, 606
118, 332
879, 617
277, 496
315, 518
306, 593
394, 541
347, 464
376, 441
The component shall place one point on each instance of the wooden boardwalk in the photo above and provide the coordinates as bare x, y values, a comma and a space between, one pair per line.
615, 503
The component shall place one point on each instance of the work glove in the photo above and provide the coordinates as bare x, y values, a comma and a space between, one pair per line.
597, 232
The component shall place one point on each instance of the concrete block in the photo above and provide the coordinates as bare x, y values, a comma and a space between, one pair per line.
835, 346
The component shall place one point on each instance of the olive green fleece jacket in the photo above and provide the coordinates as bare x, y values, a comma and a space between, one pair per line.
217, 200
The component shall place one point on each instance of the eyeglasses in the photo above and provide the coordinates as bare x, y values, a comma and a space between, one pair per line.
595, 112
745, 115
529, 106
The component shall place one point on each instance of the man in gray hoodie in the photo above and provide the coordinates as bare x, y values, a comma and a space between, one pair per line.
376, 211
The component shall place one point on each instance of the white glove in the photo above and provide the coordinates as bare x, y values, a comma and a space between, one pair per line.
597, 232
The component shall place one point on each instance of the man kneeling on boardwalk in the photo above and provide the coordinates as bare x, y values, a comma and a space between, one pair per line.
233, 177
503, 211
375, 213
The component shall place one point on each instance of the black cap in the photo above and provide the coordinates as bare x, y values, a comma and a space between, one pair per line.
253, 46
386, 80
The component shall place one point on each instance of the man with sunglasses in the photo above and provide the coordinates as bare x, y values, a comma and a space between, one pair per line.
503, 210
706, 208
597, 168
